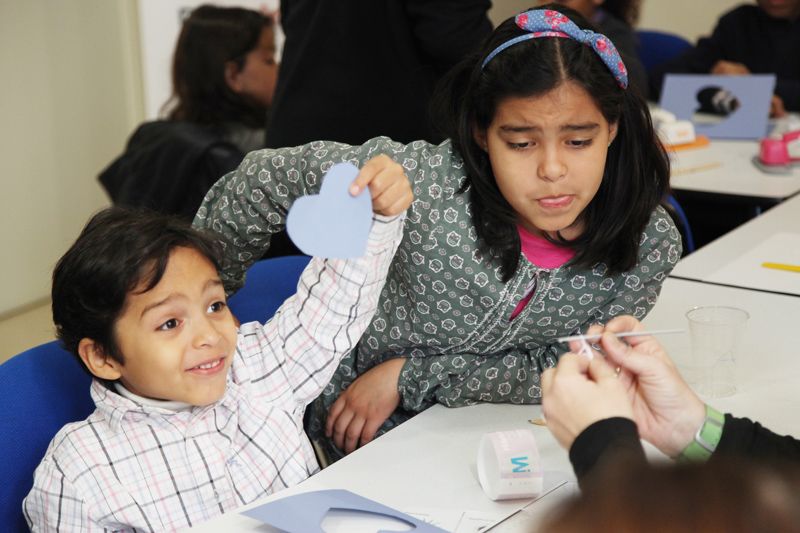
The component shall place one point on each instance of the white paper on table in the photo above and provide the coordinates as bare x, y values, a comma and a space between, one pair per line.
457, 521
476, 521
746, 270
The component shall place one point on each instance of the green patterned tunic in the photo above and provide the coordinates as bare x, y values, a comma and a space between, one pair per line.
443, 306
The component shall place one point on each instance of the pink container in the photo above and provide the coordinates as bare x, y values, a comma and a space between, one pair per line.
773, 152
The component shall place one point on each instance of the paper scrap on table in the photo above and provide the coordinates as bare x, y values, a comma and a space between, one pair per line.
339, 510
333, 223
746, 270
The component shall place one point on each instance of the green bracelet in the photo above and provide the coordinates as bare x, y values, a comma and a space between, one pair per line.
706, 439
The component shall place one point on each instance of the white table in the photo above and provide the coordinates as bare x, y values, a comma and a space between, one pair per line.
725, 168
429, 462
736, 257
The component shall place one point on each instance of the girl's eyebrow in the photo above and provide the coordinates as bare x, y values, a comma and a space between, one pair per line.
587, 126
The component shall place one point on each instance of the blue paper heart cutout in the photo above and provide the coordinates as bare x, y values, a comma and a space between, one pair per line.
332, 224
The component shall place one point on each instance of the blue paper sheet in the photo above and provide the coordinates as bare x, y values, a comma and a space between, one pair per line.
304, 513
332, 224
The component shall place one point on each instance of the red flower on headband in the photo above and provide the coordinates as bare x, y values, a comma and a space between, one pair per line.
522, 20
555, 19
602, 45
621, 67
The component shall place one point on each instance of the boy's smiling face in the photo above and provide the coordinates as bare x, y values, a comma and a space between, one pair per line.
178, 338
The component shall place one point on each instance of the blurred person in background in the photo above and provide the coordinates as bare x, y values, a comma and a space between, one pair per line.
352, 71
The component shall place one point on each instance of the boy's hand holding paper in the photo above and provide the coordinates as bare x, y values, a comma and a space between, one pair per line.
336, 222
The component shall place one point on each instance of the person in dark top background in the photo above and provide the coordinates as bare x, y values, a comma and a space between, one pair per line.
223, 80
599, 417
351, 71
757, 39
223, 77
616, 19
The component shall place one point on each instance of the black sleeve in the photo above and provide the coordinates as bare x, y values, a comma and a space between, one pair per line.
789, 91
447, 30
611, 438
742, 436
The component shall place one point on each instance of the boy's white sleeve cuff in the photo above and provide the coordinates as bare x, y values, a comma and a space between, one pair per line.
386, 229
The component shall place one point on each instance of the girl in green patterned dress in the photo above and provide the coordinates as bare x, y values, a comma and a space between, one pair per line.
538, 217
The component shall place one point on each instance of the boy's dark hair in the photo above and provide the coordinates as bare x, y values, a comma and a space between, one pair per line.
636, 176
211, 37
118, 250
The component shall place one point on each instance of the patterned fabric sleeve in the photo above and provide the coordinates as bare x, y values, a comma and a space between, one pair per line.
466, 379
246, 206
513, 377
53, 503
295, 353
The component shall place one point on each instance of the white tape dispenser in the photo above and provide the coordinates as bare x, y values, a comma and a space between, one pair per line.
509, 466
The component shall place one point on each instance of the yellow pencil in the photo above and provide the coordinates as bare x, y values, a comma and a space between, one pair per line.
781, 266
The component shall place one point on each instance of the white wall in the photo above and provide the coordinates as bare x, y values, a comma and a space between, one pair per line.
689, 18
70, 94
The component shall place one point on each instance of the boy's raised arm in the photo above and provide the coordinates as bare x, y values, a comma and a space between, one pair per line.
297, 351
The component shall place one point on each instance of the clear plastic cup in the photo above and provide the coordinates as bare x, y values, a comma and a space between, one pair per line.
716, 333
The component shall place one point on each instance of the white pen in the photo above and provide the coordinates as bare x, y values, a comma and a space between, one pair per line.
622, 334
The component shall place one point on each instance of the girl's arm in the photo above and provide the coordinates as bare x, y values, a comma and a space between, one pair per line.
245, 207
466, 379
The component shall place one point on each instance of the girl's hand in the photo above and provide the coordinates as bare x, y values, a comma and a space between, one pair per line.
579, 392
363, 406
729, 68
776, 107
388, 185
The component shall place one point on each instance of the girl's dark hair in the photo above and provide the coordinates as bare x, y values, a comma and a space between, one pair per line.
625, 10
211, 37
120, 250
636, 176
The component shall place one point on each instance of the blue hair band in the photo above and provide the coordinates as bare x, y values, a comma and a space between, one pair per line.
549, 23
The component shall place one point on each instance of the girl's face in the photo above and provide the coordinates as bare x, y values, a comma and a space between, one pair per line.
256, 79
548, 154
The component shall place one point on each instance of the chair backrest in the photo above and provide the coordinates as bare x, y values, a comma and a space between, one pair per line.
682, 222
41, 390
268, 283
657, 47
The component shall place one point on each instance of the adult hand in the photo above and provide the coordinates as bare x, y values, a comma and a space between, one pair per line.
363, 406
388, 185
579, 392
776, 107
666, 410
729, 68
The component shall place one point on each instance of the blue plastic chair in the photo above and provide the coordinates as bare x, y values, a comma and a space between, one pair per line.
41, 390
657, 47
267, 284
676, 212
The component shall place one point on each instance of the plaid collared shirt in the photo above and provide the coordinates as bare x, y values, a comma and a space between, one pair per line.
135, 467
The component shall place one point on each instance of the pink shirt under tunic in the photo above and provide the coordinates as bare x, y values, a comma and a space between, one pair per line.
541, 253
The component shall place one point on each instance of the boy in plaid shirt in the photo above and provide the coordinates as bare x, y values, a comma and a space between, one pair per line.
193, 418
